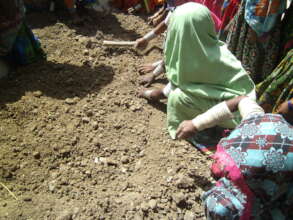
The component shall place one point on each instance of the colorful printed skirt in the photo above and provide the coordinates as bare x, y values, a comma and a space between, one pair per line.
278, 86
287, 31
258, 58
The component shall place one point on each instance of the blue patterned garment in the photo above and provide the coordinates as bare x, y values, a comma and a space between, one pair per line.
225, 200
254, 165
263, 15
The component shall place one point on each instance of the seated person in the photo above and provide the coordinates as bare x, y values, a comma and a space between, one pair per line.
18, 45
253, 165
99, 6
158, 67
201, 71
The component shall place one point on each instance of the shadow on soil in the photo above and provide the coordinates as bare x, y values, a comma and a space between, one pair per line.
55, 80
92, 23
159, 106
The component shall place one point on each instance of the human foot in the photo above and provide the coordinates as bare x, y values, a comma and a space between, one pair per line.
151, 94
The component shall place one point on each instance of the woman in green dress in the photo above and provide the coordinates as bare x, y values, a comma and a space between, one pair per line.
202, 72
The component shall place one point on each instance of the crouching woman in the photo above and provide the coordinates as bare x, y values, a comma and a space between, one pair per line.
201, 71
253, 165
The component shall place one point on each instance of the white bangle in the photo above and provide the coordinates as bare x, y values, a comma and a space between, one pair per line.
158, 70
149, 36
155, 64
167, 19
248, 107
212, 117
167, 89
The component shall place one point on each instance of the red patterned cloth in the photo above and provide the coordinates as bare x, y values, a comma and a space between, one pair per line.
229, 12
254, 164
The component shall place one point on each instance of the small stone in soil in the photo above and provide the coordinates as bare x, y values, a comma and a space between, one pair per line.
37, 155
66, 215
189, 215
111, 162
96, 142
153, 204
178, 197
144, 207
95, 125
37, 94
52, 185
85, 119
184, 182
86, 52
124, 159
70, 101
27, 199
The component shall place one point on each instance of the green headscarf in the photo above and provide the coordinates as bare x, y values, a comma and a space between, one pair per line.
197, 61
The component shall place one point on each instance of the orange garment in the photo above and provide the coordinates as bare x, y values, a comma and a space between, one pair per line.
152, 4
159, 2
69, 3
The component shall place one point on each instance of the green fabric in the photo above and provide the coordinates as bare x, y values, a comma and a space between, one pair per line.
182, 107
200, 65
278, 86
27, 48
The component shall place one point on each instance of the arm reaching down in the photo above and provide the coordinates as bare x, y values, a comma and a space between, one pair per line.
218, 113
142, 43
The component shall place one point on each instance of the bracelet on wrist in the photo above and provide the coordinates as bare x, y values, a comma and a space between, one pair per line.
149, 36
290, 105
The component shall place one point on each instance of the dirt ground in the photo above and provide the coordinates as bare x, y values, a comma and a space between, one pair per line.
77, 143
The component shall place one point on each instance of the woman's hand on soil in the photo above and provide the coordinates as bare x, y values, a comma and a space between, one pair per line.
147, 80
146, 68
141, 44
185, 130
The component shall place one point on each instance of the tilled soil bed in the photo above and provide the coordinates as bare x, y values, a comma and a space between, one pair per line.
77, 143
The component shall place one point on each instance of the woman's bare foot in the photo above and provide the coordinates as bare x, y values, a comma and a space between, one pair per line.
152, 94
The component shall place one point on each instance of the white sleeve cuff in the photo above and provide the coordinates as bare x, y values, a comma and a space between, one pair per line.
167, 19
159, 69
167, 89
149, 36
155, 64
248, 107
212, 117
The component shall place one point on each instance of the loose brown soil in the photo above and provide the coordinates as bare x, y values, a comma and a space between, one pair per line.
77, 143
